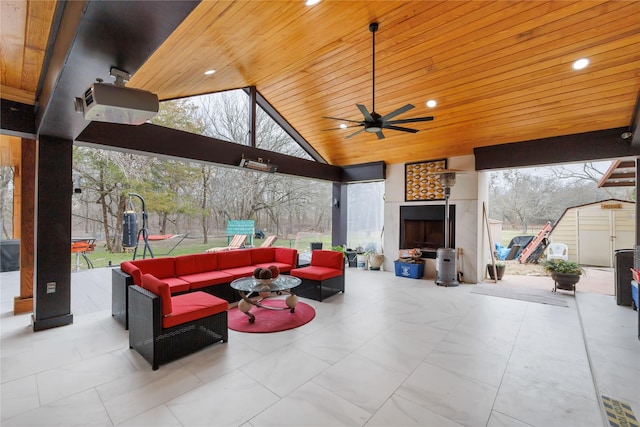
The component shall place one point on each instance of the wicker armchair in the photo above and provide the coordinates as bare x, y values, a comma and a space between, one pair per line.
323, 278
152, 331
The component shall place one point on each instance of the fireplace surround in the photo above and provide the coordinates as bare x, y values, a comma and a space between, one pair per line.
423, 227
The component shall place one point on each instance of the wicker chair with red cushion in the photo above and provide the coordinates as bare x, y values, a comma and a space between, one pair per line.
323, 277
163, 328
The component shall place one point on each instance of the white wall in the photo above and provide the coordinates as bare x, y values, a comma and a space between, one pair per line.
464, 195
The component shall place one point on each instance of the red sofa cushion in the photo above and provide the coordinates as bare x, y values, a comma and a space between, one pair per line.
284, 268
316, 273
132, 271
160, 288
177, 284
233, 259
159, 267
193, 306
207, 278
331, 259
197, 263
239, 272
262, 255
287, 256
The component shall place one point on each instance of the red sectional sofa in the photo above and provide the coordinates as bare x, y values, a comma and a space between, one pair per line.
163, 328
208, 272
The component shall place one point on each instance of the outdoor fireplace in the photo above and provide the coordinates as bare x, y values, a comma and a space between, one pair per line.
423, 227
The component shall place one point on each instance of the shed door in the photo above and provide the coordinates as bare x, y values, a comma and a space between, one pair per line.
624, 229
601, 233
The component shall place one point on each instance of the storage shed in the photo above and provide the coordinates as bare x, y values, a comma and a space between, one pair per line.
595, 230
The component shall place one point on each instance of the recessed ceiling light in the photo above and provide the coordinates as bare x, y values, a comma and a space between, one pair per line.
431, 103
343, 126
580, 64
311, 2
209, 72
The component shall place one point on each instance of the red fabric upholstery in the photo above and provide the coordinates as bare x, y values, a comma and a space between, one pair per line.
331, 259
132, 271
192, 306
262, 255
316, 273
176, 284
284, 268
159, 267
198, 263
233, 259
238, 272
160, 288
207, 278
286, 256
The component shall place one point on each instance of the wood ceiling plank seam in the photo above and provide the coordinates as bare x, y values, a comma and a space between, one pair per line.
158, 69
525, 54
412, 76
495, 71
12, 36
503, 28
503, 75
596, 114
303, 48
381, 53
510, 92
552, 109
38, 26
620, 71
511, 99
17, 95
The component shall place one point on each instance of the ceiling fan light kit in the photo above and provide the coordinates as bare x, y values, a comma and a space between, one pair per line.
374, 122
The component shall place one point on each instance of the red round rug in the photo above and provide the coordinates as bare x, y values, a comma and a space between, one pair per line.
271, 320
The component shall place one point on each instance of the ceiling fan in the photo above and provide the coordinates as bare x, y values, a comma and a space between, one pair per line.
374, 122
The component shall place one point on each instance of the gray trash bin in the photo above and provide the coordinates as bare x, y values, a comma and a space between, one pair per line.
623, 266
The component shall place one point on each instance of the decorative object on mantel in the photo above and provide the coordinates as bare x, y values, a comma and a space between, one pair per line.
422, 181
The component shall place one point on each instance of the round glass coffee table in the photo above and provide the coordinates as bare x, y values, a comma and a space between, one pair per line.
249, 287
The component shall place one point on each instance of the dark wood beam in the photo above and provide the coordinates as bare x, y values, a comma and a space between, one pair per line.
374, 171
153, 139
17, 119
581, 147
634, 127
93, 37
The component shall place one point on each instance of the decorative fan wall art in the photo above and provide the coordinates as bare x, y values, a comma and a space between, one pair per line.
421, 182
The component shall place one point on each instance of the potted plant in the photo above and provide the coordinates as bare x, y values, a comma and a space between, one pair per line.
565, 274
340, 248
500, 268
376, 260
362, 259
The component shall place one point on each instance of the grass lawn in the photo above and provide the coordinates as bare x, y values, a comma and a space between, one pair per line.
100, 257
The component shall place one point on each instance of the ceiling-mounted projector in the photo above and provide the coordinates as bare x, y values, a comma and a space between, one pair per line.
115, 103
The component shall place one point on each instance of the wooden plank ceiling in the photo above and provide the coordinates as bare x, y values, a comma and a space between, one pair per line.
501, 72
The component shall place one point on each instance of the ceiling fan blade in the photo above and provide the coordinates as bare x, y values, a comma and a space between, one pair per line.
380, 135
354, 134
342, 120
415, 119
397, 112
346, 127
365, 113
400, 128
